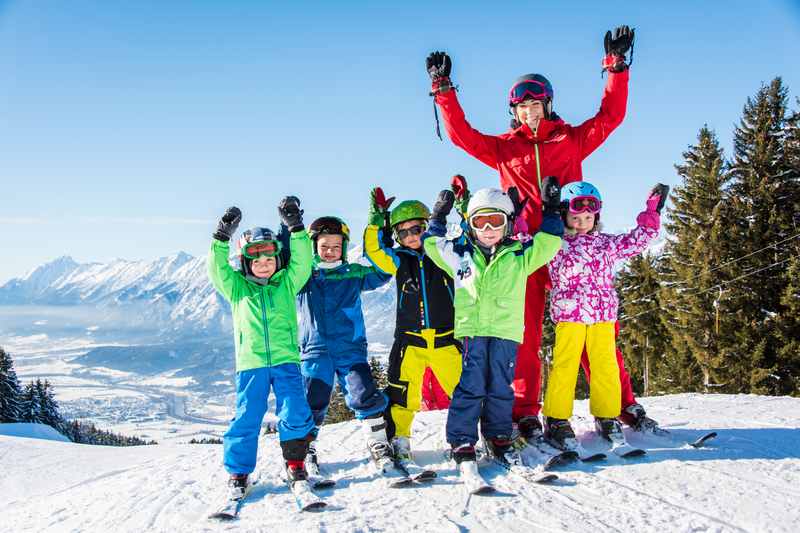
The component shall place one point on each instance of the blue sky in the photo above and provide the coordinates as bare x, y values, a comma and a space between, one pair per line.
128, 127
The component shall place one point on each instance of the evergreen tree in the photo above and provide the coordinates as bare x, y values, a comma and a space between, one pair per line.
30, 409
50, 411
644, 338
10, 393
338, 410
761, 211
697, 243
379, 373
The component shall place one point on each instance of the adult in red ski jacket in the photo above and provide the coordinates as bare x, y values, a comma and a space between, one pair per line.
539, 144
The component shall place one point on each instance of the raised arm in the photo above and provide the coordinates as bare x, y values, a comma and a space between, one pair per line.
375, 249
547, 241
614, 103
299, 268
648, 223
220, 272
478, 145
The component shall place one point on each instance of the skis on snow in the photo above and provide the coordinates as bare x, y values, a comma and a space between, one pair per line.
657, 431
472, 479
230, 509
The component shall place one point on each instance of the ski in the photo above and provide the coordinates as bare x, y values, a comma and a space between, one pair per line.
230, 509
559, 457
393, 475
626, 451
320, 482
304, 495
527, 473
416, 472
473, 480
657, 431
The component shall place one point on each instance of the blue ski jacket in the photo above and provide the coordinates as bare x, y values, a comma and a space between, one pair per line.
331, 322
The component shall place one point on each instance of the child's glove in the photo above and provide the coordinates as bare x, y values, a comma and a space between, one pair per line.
651, 217
227, 224
551, 207
658, 197
443, 206
378, 207
459, 187
291, 214
551, 196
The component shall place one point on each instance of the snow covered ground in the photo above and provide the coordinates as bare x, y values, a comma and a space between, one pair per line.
748, 479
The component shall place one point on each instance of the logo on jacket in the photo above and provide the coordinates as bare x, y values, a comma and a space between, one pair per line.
464, 270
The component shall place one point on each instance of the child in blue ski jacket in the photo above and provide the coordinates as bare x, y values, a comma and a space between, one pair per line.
333, 338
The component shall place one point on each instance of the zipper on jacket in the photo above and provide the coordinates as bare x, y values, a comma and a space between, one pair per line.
538, 168
424, 293
446, 286
266, 332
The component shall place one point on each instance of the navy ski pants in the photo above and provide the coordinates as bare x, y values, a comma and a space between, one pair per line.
484, 393
361, 394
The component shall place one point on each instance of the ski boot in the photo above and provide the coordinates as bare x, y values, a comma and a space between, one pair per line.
635, 416
296, 472
464, 452
530, 428
312, 460
501, 449
467, 461
237, 486
381, 453
558, 433
610, 429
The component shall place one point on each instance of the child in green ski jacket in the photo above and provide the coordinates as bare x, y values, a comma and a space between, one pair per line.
490, 270
262, 298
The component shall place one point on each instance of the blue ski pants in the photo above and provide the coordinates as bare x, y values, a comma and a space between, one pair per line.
484, 392
240, 442
361, 394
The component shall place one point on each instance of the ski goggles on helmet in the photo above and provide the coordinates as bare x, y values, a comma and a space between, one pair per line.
254, 250
494, 220
579, 204
528, 89
416, 229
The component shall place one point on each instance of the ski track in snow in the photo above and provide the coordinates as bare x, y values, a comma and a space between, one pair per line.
748, 479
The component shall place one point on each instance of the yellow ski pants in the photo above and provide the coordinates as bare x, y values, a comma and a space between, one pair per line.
604, 387
411, 354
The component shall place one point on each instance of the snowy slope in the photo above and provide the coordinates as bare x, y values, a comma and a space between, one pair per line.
32, 431
747, 481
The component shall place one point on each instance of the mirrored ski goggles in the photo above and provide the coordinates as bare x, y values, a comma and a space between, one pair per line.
254, 250
494, 220
528, 89
580, 204
413, 230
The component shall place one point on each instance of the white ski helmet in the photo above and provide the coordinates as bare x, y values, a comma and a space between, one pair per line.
493, 199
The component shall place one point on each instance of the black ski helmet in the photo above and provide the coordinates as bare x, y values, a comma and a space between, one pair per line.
330, 226
537, 88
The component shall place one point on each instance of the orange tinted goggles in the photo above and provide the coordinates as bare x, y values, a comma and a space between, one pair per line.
495, 220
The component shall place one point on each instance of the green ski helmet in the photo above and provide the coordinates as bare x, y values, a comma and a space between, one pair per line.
409, 210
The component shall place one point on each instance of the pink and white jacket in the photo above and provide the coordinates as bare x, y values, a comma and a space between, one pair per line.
582, 272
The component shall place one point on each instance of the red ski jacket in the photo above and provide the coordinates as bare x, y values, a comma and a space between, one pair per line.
524, 159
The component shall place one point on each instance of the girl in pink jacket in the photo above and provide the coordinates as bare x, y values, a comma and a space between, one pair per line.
583, 306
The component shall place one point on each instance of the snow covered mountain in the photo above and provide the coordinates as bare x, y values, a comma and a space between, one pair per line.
745, 480
171, 295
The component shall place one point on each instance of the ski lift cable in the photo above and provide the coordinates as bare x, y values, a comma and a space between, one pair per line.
717, 286
704, 272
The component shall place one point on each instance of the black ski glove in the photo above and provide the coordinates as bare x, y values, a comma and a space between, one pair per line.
551, 196
438, 65
519, 205
617, 44
443, 206
291, 214
227, 224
